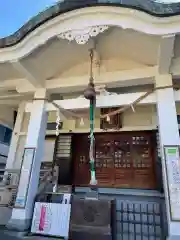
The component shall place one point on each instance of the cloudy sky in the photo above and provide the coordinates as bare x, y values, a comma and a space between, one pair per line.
14, 13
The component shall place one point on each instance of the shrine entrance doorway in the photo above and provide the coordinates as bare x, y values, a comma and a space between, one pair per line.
125, 160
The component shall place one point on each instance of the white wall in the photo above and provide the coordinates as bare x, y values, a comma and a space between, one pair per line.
48, 150
142, 118
47, 156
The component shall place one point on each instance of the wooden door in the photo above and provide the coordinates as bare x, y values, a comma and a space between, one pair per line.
143, 161
121, 160
81, 160
104, 161
123, 168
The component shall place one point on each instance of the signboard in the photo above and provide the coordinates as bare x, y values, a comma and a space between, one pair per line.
51, 219
26, 169
172, 162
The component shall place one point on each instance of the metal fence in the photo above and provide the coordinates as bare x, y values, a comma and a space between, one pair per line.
140, 214
10, 181
140, 221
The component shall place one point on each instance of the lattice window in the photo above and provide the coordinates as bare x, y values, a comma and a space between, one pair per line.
104, 155
141, 152
103, 163
114, 122
141, 158
82, 160
122, 154
121, 159
140, 140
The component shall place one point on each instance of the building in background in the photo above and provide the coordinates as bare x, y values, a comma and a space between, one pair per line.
5, 139
6, 127
44, 69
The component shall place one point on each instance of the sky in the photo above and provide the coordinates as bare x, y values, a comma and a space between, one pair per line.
14, 13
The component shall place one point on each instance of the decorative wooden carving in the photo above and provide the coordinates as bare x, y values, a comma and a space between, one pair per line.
82, 36
114, 122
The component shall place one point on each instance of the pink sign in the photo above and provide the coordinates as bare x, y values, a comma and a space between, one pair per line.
42, 218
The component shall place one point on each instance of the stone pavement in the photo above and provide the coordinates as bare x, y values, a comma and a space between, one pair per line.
4, 236
8, 235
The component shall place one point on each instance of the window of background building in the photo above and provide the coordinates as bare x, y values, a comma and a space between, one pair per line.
178, 119
2, 168
5, 134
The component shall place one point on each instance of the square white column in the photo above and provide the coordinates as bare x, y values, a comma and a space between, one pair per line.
29, 178
169, 135
15, 136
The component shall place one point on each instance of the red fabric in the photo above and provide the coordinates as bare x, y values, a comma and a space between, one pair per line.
42, 218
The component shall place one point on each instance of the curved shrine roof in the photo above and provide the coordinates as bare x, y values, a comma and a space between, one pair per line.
152, 7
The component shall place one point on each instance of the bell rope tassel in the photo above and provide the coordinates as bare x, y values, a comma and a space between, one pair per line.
93, 180
58, 121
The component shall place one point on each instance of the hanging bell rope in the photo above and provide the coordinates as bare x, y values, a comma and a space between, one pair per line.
58, 122
58, 107
90, 94
122, 109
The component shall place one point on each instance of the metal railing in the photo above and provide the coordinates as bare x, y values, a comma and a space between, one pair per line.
49, 180
10, 181
10, 178
8, 186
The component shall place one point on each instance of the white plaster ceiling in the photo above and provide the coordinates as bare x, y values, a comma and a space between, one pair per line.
8, 72
60, 56
55, 57
131, 45
118, 50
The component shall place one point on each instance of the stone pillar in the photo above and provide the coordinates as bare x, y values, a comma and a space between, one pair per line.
169, 135
15, 136
29, 178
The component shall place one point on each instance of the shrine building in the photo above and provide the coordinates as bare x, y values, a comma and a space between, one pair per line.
131, 49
